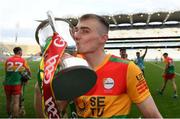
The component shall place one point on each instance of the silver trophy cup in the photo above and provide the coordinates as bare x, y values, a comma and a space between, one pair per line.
75, 77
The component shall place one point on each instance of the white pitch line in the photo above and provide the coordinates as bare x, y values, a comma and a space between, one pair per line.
162, 68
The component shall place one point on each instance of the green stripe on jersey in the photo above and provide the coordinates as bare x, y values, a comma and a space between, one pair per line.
12, 78
116, 59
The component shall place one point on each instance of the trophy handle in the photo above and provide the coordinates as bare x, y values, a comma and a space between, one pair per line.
51, 20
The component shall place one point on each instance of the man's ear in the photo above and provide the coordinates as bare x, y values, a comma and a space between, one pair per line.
104, 38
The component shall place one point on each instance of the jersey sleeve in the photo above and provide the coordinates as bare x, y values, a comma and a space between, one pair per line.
137, 88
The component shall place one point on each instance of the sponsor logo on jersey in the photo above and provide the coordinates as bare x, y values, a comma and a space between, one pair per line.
82, 105
141, 85
108, 83
94, 105
140, 76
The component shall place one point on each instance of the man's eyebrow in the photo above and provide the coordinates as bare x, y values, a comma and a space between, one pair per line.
82, 27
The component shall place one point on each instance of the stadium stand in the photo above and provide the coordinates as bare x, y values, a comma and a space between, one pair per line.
159, 31
30, 51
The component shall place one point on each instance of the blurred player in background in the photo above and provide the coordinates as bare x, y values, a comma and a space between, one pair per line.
169, 74
13, 81
123, 53
140, 60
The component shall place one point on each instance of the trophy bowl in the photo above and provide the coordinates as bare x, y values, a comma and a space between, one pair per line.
74, 79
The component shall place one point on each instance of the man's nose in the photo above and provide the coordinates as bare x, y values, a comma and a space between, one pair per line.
76, 36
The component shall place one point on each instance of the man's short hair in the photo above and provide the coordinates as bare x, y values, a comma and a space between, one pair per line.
137, 52
102, 20
122, 49
16, 50
165, 54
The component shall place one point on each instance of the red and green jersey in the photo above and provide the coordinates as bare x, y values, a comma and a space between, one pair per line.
13, 66
119, 82
169, 65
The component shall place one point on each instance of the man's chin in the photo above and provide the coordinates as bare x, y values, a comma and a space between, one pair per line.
79, 52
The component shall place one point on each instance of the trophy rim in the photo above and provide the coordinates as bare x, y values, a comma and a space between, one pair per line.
45, 22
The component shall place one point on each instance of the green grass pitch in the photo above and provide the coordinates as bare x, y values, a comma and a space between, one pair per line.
168, 106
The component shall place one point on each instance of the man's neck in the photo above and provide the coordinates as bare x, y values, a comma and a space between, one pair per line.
17, 55
95, 59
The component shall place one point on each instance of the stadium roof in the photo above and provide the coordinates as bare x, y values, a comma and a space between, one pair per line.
141, 20
159, 19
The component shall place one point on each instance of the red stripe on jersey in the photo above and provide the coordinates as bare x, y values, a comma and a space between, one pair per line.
143, 90
140, 83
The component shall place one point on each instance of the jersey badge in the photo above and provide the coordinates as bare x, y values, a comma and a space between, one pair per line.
108, 83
